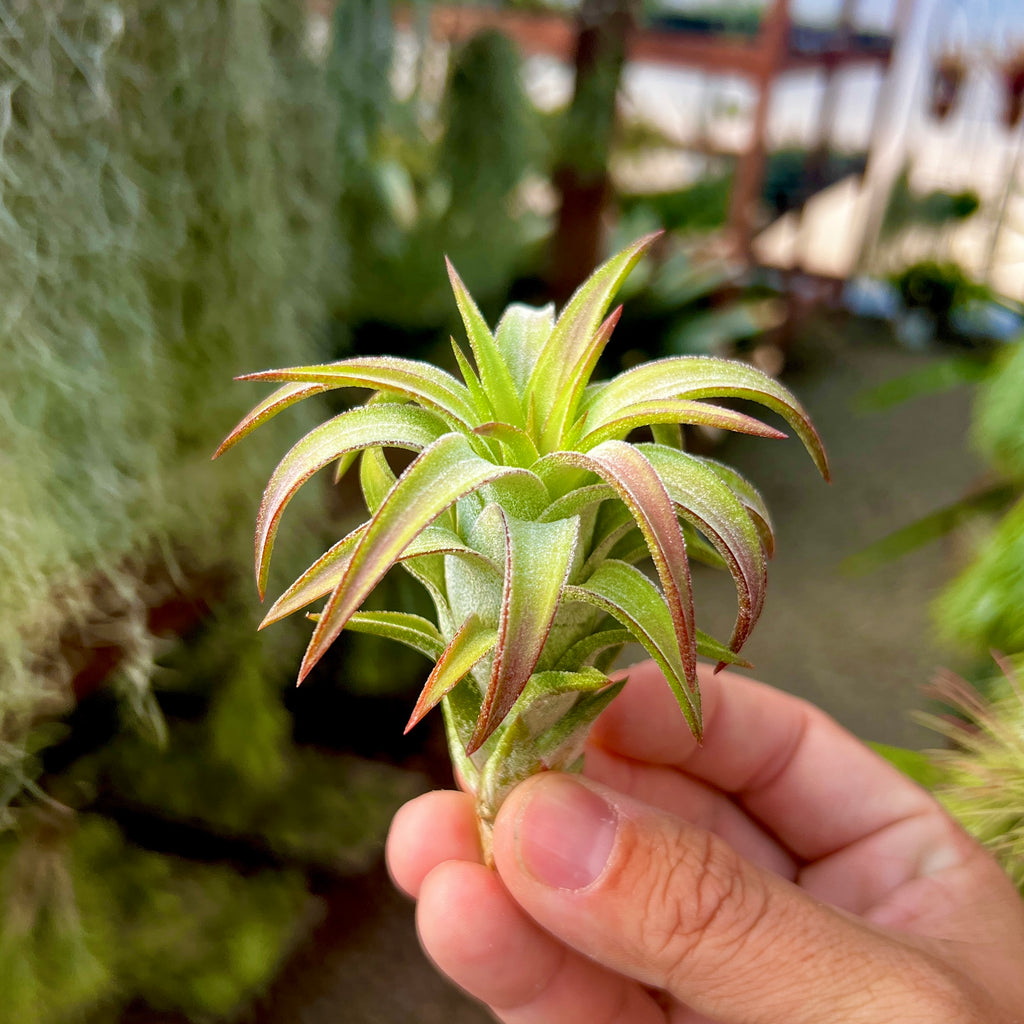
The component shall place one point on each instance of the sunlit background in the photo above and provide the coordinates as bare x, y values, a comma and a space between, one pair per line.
194, 189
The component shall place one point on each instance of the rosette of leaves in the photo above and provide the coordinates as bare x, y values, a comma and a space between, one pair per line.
525, 514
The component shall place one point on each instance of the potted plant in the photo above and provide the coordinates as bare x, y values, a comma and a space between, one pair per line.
1013, 83
524, 514
947, 78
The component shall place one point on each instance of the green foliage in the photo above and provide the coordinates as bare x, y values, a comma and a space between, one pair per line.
483, 165
79, 939
320, 810
702, 206
937, 288
421, 178
980, 610
523, 513
998, 428
982, 775
166, 176
934, 209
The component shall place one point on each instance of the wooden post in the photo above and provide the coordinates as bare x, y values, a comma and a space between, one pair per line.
581, 179
773, 41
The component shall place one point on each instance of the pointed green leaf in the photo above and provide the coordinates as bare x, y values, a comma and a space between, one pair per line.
640, 488
494, 374
670, 410
515, 441
417, 381
412, 630
627, 594
375, 478
521, 334
319, 579
581, 652
702, 497
443, 473
577, 501
752, 501
399, 426
470, 644
483, 406
695, 377
327, 571
459, 707
282, 398
565, 405
569, 347
538, 557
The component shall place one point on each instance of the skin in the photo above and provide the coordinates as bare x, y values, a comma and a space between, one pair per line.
779, 873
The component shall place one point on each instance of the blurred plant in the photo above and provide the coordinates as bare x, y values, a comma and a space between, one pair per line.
981, 609
981, 778
685, 303
79, 941
938, 289
933, 209
421, 175
164, 183
523, 515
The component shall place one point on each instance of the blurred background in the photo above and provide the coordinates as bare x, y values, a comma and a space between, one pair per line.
194, 189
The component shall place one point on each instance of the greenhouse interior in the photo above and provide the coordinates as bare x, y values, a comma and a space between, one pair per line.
815, 207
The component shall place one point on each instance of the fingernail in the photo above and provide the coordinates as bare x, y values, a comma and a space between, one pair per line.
565, 833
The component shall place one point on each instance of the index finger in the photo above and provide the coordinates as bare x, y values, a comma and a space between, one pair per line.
791, 766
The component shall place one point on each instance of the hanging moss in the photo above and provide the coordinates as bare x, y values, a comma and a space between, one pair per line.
166, 172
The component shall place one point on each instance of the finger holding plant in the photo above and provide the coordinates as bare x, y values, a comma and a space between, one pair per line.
525, 514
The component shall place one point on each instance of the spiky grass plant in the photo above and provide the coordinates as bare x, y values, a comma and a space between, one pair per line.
982, 775
525, 514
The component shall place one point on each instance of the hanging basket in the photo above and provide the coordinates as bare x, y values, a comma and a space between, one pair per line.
947, 78
1013, 83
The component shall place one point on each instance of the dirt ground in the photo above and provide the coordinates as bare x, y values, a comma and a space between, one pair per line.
859, 646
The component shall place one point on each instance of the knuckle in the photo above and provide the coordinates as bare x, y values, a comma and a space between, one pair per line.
698, 901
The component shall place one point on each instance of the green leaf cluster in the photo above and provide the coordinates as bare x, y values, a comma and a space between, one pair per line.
525, 512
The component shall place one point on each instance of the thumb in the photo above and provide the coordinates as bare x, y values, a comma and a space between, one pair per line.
674, 907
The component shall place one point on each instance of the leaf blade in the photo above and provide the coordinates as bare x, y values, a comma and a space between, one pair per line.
706, 500
443, 473
696, 377
679, 410
274, 403
410, 378
538, 557
494, 373
641, 490
569, 346
630, 597
366, 426
471, 643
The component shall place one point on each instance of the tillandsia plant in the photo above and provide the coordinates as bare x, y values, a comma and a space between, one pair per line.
524, 514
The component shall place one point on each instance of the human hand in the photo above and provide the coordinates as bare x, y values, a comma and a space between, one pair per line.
781, 873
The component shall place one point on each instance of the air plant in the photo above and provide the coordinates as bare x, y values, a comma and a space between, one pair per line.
981, 776
525, 514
